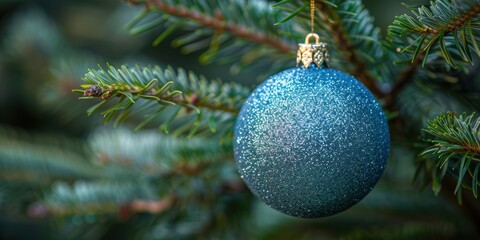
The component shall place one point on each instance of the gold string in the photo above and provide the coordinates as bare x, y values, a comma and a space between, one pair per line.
312, 14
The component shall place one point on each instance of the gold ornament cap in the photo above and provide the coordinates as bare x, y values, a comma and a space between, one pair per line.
316, 53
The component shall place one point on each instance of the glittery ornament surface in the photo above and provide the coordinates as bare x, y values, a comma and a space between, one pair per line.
311, 142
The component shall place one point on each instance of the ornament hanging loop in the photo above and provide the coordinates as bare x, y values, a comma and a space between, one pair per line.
315, 36
316, 53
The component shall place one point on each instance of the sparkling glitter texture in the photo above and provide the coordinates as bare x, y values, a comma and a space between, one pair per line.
311, 142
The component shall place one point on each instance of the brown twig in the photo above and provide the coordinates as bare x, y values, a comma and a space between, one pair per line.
144, 206
217, 23
339, 35
113, 91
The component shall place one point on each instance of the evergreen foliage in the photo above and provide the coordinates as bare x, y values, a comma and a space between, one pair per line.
191, 103
241, 32
455, 149
174, 178
448, 25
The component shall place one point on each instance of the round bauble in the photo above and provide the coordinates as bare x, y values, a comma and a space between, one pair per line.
311, 142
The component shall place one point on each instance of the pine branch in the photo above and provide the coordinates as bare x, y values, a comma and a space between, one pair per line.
124, 155
231, 34
436, 66
179, 99
159, 161
125, 198
450, 24
148, 153
455, 151
217, 23
411, 71
96, 198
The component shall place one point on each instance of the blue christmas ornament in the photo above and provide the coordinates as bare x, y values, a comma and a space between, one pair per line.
311, 141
